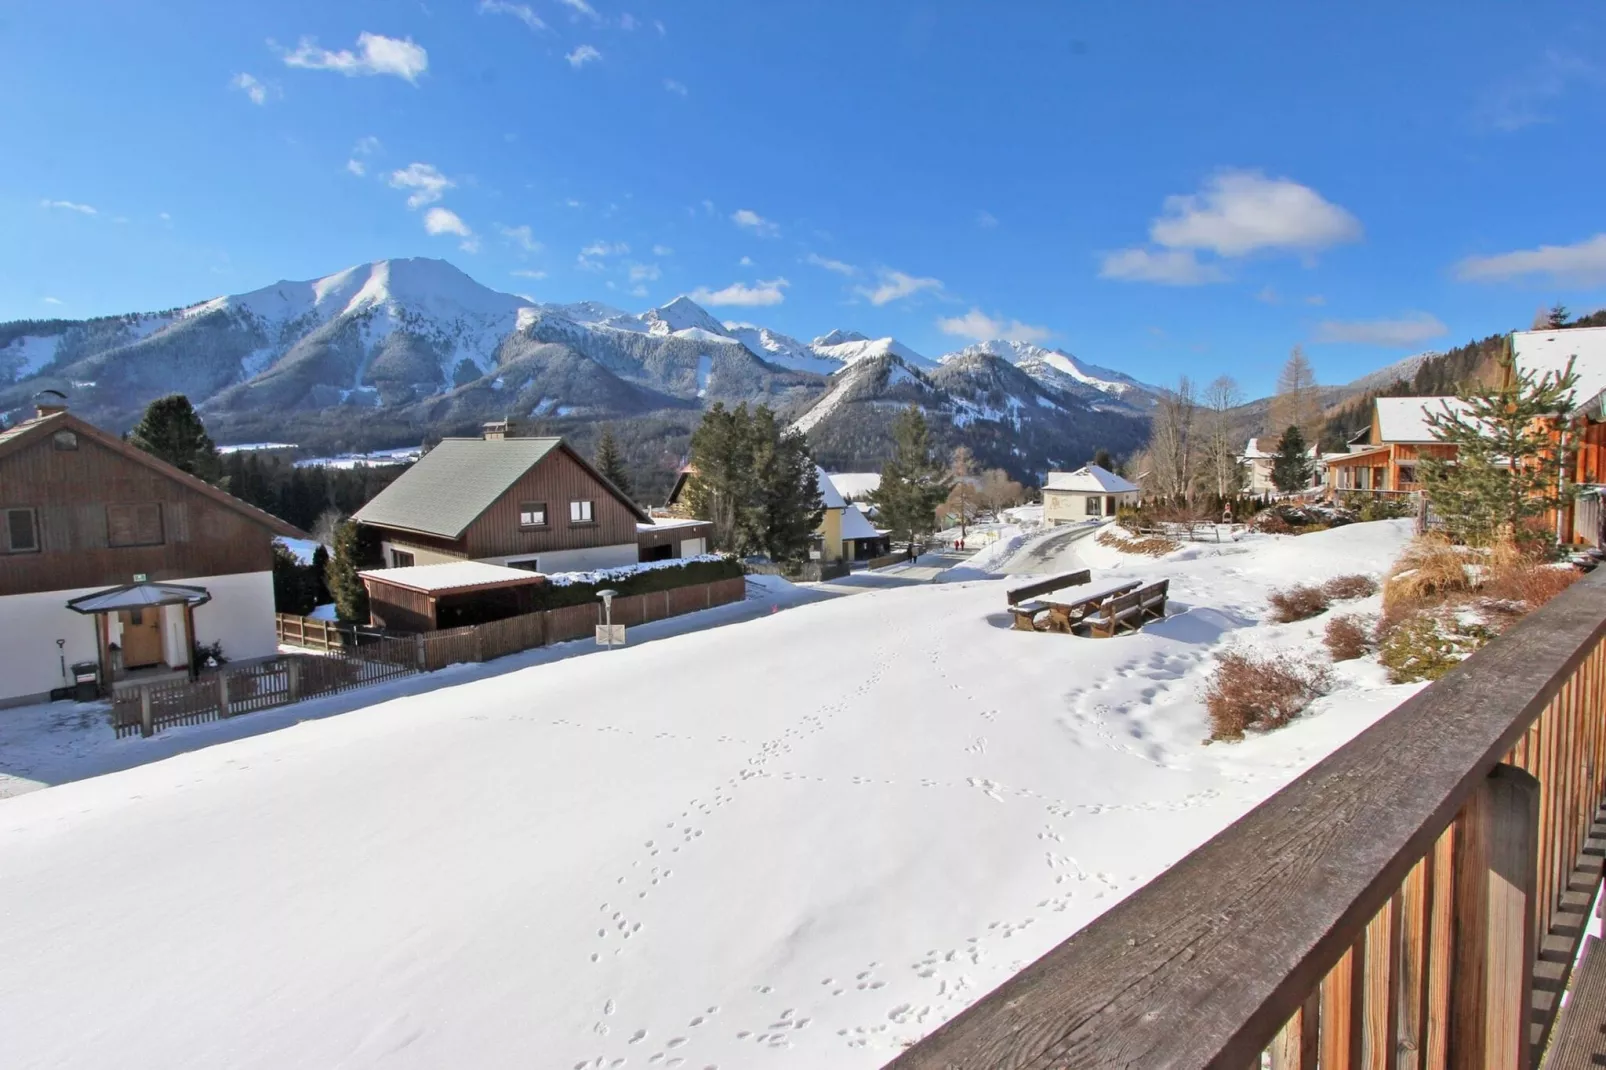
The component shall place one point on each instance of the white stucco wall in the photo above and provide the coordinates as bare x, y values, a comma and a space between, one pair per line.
625, 553
693, 547
240, 616
1070, 506
422, 555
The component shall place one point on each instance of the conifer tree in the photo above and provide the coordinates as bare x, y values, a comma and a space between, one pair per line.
754, 479
1291, 466
171, 430
611, 462
1507, 470
913, 482
345, 586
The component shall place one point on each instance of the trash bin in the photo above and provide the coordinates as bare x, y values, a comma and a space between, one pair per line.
86, 681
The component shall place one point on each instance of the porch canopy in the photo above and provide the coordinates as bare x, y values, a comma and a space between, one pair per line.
423, 598
140, 596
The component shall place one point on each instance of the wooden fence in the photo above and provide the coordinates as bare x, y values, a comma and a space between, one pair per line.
1414, 900
354, 659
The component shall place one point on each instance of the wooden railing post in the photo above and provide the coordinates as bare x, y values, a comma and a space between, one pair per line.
146, 727
1296, 1045
222, 693
1496, 855
293, 674
419, 654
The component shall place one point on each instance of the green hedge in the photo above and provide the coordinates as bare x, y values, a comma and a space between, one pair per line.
628, 581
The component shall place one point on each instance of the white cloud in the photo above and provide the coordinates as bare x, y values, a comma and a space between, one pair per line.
376, 54
1173, 267
748, 219
592, 256
638, 291
520, 236
1240, 212
365, 146
1411, 329
895, 285
645, 273
527, 273
745, 261
1583, 263
357, 167
582, 55
1525, 99
676, 87
980, 327
523, 12
164, 217
445, 221
627, 21
572, 203
986, 220
841, 267
251, 87
580, 7
70, 206
427, 183
52, 300
662, 250
739, 293
658, 24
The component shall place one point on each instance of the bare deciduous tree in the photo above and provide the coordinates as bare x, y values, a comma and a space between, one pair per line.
1172, 450
1297, 403
999, 492
1221, 397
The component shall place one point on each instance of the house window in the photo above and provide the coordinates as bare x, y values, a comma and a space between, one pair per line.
1092, 506
65, 440
1407, 474
401, 559
134, 525
22, 531
528, 564
532, 515
580, 513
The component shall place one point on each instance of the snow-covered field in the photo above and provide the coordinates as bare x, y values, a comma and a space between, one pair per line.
803, 840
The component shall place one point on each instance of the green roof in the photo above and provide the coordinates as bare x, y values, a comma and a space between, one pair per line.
452, 484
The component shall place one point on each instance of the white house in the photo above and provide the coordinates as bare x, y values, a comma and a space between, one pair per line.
1090, 492
1258, 457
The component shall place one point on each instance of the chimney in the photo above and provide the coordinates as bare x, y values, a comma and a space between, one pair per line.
49, 403
495, 430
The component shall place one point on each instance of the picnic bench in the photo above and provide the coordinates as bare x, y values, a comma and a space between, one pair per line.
1067, 610
1022, 601
1128, 612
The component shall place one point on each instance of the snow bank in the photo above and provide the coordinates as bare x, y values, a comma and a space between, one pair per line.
624, 572
800, 841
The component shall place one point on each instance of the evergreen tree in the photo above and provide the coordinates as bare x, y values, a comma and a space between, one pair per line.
1556, 318
1102, 458
913, 483
790, 506
754, 479
171, 430
723, 485
611, 462
1291, 467
345, 586
1507, 470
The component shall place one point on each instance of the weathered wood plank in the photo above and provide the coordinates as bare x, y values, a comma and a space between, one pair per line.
1580, 1038
1297, 1046
1202, 967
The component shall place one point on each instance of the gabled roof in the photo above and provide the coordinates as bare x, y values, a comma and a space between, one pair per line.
1543, 352
448, 488
30, 431
855, 525
458, 577
1255, 452
856, 484
1406, 419
1090, 479
828, 492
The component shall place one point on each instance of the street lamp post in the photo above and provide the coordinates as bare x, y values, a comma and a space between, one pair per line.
607, 595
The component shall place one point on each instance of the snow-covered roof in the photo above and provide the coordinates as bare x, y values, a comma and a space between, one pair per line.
453, 576
856, 484
1542, 352
1406, 419
1254, 451
1090, 479
828, 492
659, 522
855, 525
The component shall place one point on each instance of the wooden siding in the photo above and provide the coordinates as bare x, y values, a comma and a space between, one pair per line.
557, 481
70, 490
672, 536
398, 609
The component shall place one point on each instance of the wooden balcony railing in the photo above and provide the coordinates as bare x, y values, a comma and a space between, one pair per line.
1414, 900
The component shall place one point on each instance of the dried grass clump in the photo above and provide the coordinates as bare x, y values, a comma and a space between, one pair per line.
1271, 524
1347, 588
1347, 638
1147, 545
1532, 585
1248, 691
1297, 603
1430, 568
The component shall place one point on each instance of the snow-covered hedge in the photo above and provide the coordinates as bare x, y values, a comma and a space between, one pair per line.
578, 588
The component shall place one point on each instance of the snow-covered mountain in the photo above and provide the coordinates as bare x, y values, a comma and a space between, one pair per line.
1101, 387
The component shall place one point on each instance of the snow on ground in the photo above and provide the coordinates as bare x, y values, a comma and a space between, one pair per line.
802, 840
303, 549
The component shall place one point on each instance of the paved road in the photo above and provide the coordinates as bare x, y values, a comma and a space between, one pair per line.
1051, 553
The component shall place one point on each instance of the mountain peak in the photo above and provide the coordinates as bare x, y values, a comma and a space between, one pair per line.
840, 337
679, 315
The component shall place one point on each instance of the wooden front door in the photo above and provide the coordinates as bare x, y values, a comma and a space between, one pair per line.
142, 637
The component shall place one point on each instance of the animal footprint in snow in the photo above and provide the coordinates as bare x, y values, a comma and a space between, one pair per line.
638, 1036
977, 746
989, 788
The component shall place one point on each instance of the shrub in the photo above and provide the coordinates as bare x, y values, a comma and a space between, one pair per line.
1148, 545
1345, 588
1530, 584
1430, 567
1248, 691
1347, 638
1296, 603
1427, 645
1271, 524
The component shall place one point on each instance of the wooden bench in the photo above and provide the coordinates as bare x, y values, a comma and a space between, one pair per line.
1053, 583
1026, 615
1129, 612
1065, 612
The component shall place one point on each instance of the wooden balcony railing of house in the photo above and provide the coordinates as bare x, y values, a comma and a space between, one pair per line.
1416, 899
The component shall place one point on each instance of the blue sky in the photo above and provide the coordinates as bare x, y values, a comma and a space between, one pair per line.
1164, 187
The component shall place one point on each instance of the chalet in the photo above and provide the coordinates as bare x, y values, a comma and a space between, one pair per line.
1088, 492
1582, 431
112, 558
1385, 459
525, 503
846, 532
1258, 458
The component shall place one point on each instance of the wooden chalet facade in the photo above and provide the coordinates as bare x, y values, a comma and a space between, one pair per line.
1396, 444
1580, 433
527, 503
81, 510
